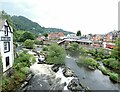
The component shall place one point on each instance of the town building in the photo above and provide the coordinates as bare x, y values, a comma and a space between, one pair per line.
41, 38
6, 45
112, 36
55, 35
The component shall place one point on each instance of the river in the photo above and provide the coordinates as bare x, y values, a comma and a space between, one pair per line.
95, 80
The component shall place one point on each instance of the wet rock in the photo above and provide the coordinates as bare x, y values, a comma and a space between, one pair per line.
29, 77
55, 68
67, 72
57, 86
23, 85
75, 85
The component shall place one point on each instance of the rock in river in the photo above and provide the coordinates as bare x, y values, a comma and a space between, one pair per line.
75, 85
67, 72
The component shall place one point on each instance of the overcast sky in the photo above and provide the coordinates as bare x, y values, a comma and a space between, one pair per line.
89, 16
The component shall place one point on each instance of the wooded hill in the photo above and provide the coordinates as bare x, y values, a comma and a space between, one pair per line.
23, 23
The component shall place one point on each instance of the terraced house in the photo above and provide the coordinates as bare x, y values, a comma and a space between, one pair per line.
6, 45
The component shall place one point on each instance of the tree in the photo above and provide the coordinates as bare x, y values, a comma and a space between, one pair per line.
27, 35
45, 34
78, 33
29, 44
74, 47
56, 54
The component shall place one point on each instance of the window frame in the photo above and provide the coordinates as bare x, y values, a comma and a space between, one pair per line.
8, 47
6, 31
7, 60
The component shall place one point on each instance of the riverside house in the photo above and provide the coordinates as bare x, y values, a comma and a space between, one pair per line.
6, 45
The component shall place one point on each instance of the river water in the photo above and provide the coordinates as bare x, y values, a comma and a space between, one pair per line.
95, 80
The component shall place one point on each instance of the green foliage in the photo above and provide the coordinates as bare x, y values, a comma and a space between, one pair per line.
92, 52
74, 47
11, 83
114, 77
112, 63
99, 53
87, 62
116, 50
38, 42
26, 35
56, 54
45, 48
0, 60
22, 23
21, 70
45, 34
83, 50
24, 60
18, 35
29, 44
104, 70
91, 62
78, 33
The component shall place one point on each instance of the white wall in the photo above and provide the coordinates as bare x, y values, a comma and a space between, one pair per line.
10, 53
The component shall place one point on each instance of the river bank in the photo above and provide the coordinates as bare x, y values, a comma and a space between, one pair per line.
95, 80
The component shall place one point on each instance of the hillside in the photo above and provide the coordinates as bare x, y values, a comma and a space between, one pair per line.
22, 23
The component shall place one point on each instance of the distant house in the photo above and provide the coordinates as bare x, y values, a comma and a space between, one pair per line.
55, 35
112, 36
41, 38
118, 35
96, 37
6, 45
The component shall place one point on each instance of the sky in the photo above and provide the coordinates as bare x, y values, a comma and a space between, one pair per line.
89, 16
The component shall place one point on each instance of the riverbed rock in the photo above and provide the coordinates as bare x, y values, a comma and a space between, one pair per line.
23, 85
67, 72
75, 85
55, 68
29, 77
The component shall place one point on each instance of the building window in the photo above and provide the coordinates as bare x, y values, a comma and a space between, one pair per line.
6, 31
7, 61
6, 47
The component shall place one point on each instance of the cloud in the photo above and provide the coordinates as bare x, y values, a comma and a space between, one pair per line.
89, 16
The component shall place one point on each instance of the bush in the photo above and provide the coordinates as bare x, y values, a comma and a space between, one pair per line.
45, 48
83, 51
114, 77
38, 42
104, 70
56, 54
25, 36
11, 83
112, 63
29, 44
74, 47
87, 62
116, 51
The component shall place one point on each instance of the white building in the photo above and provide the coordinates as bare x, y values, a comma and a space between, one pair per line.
6, 45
